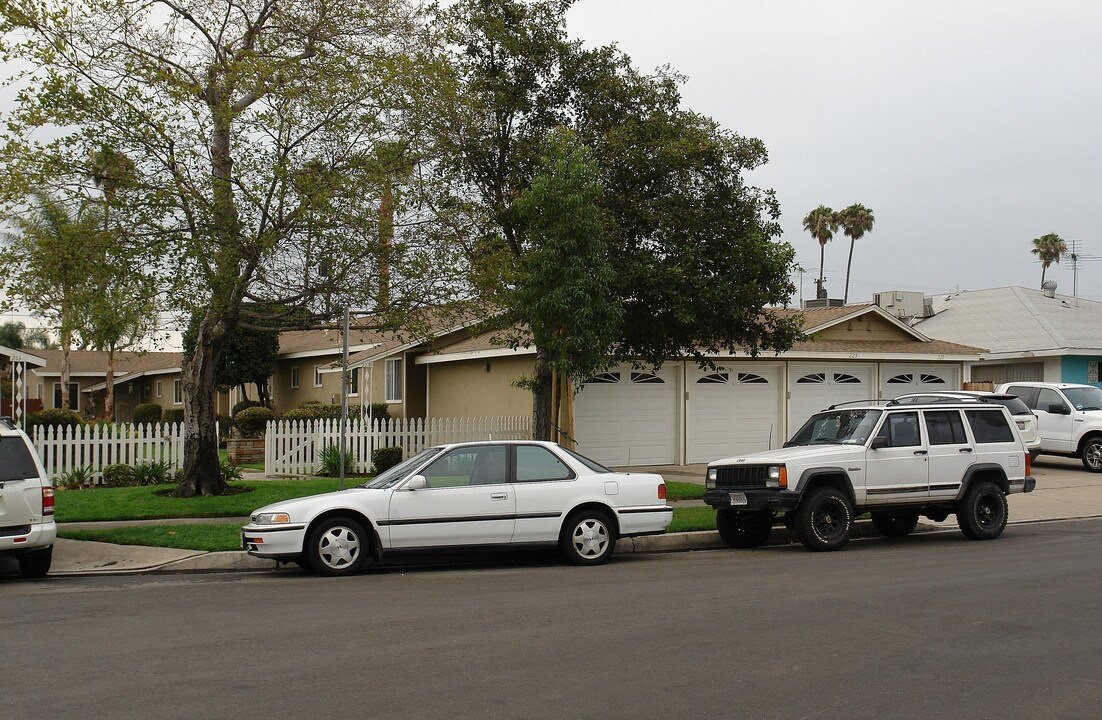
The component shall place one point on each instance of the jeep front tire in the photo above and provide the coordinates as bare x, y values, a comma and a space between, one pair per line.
824, 519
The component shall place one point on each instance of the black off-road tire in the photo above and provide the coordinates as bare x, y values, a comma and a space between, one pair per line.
1092, 454
36, 564
824, 519
895, 524
744, 528
338, 546
983, 512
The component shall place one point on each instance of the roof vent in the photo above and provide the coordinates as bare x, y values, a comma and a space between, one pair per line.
1049, 288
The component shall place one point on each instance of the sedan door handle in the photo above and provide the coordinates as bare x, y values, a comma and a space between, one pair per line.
920, 452
499, 496
966, 449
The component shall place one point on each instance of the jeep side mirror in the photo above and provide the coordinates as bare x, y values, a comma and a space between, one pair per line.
879, 442
1059, 409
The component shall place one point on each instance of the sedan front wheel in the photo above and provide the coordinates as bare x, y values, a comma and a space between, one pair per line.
337, 546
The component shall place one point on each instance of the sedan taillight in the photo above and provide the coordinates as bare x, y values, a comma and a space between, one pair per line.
661, 491
47, 501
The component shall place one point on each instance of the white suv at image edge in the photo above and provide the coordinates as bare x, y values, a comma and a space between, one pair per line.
27, 527
1069, 418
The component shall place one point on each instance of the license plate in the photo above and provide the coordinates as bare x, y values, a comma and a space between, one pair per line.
738, 498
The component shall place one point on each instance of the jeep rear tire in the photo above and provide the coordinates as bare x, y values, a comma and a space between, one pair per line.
895, 524
824, 519
744, 528
982, 512
36, 563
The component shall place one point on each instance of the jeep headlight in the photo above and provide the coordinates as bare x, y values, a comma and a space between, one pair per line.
776, 477
273, 518
710, 481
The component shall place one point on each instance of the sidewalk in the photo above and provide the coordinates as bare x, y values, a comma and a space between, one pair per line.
1064, 492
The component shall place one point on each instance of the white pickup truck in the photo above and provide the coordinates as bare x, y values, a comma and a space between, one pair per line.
1069, 418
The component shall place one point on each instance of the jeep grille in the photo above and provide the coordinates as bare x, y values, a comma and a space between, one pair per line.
744, 476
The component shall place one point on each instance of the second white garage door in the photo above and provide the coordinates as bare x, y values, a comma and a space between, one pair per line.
732, 410
628, 417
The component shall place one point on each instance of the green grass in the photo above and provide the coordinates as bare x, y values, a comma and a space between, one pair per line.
212, 538
146, 503
683, 491
252, 466
208, 537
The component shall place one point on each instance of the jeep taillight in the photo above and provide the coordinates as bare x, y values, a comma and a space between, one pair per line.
661, 491
1028, 465
47, 501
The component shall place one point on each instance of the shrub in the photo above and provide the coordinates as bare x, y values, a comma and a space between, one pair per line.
147, 413
382, 459
229, 471
175, 415
313, 410
75, 479
330, 461
118, 476
251, 422
244, 405
56, 417
153, 473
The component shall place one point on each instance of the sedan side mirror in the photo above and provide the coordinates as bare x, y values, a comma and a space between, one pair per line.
417, 482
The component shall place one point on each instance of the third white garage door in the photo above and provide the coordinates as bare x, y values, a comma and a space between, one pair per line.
813, 387
899, 380
628, 417
732, 410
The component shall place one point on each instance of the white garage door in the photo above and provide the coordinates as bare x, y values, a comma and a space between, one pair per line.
732, 410
628, 417
896, 380
812, 388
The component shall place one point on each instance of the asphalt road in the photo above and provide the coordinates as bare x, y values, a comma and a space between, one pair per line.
932, 626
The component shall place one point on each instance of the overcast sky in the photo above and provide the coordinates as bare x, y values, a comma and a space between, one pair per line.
969, 128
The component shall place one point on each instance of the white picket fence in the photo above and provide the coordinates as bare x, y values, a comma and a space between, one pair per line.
295, 447
64, 449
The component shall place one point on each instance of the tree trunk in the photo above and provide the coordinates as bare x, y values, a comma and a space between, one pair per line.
66, 346
821, 292
541, 397
386, 244
109, 390
845, 295
202, 475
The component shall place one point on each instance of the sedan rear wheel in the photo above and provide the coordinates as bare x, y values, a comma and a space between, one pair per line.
588, 538
338, 546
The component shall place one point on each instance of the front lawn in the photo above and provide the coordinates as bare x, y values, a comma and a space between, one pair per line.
211, 537
683, 491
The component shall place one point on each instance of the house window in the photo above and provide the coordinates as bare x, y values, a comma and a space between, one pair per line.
160, 388
394, 380
317, 376
294, 378
177, 392
74, 395
354, 382
38, 391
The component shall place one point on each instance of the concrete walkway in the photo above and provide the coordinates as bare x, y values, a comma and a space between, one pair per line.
1065, 491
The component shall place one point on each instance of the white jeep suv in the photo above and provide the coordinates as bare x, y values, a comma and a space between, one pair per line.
27, 528
895, 461
1069, 418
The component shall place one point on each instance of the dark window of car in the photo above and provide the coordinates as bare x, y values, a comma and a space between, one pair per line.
591, 464
536, 463
16, 461
476, 465
1084, 398
989, 426
1049, 401
944, 427
1027, 394
900, 429
1012, 403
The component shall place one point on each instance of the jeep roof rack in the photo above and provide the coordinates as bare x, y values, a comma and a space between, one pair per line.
859, 402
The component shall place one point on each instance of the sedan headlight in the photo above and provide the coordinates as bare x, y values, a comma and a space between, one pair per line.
710, 481
276, 518
776, 477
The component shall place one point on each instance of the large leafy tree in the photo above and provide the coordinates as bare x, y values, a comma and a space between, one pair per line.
219, 106
855, 221
822, 223
692, 247
1048, 248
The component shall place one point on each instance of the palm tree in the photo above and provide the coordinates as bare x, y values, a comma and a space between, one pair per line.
1048, 248
821, 223
855, 221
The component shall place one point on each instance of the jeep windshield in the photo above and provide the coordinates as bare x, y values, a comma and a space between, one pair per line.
1085, 398
837, 427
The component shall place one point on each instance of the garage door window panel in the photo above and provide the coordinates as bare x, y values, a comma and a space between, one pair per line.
641, 378
752, 379
714, 379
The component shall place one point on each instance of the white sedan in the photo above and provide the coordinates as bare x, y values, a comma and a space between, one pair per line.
483, 494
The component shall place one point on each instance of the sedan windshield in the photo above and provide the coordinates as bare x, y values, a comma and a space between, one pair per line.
838, 427
1085, 398
396, 474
